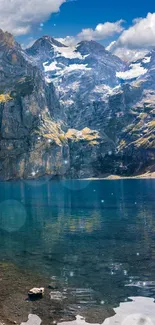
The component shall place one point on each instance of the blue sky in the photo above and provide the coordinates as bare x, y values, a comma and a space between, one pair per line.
79, 14
76, 15
124, 27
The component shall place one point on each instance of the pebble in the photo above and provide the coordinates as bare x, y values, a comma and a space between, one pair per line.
36, 292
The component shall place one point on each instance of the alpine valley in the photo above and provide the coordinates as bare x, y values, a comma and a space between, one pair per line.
74, 112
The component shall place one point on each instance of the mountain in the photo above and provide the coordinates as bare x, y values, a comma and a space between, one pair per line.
96, 89
83, 69
84, 76
74, 111
34, 137
26, 106
139, 135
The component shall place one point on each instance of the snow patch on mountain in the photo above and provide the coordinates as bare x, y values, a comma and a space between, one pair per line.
147, 59
51, 67
48, 80
73, 67
105, 88
65, 70
67, 102
67, 52
135, 71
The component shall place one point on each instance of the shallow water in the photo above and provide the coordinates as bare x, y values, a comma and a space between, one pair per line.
95, 238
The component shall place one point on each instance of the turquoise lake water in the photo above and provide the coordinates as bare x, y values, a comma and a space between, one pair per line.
96, 237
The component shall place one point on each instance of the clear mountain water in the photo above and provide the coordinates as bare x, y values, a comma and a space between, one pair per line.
96, 238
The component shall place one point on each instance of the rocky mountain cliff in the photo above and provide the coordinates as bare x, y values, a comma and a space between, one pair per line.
74, 111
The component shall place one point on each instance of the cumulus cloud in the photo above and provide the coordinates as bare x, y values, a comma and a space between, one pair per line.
125, 53
132, 44
141, 34
19, 16
101, 32
137, 40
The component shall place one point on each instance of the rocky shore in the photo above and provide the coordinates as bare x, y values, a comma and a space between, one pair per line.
56, 305
116, 177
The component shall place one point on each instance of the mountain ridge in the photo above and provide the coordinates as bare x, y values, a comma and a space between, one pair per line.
71, 112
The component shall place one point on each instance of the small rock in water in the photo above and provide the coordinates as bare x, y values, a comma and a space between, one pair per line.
36, 292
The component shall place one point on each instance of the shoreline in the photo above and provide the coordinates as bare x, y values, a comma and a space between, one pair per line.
117, 177
106, 177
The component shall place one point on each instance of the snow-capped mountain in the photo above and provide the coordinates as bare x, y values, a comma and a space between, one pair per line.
148, 63
74, 111
99, 90
86, 69
140, 70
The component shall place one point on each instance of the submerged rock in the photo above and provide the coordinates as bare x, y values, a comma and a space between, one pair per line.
57, 295
32, 320
53, 285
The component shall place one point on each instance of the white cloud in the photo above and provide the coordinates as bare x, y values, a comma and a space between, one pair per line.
137, 40
18, 16
101, 32
141, 34
132, 44
126, 54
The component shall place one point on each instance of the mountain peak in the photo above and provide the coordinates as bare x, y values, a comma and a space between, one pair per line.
53, 41
44, 43
85, 47
7, 39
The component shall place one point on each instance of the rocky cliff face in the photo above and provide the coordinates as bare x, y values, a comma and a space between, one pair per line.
73, 112
29, 114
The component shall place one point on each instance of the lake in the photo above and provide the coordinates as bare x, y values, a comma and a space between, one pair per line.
91, 244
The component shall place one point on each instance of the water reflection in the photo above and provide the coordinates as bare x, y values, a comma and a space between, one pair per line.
99, 241
140, 311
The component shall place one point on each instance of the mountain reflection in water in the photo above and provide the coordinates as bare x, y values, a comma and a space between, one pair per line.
97, 238
140, 311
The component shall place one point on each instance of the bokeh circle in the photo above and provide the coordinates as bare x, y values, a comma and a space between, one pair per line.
12, 215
